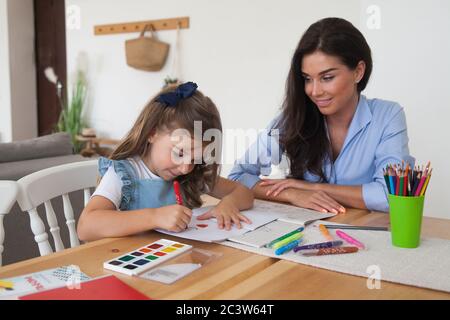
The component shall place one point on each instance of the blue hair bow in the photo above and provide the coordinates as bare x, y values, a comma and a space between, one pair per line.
183, 91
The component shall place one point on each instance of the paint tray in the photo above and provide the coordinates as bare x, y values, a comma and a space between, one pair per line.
180, 266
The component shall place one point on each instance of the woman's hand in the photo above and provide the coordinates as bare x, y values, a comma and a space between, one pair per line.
278, 185
226, 213
173, 218
315, 200
303, 194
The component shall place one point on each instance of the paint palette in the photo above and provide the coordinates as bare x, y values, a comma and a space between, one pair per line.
149, 256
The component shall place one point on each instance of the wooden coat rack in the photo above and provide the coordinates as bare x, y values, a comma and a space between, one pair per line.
163, 24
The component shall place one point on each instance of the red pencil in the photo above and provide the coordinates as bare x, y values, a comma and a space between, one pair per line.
405, 185
176, 187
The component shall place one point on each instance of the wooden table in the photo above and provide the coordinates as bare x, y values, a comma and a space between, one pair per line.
238, 274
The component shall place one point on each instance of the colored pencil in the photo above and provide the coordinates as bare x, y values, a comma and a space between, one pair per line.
397, 185
407, 181
373, 228
419, 187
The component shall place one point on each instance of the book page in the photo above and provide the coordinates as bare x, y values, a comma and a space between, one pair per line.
262, 213
48, 279
289, 213
208, 231
205, 230
265, 234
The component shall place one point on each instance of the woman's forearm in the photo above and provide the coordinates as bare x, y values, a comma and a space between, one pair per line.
260, 192
349, 196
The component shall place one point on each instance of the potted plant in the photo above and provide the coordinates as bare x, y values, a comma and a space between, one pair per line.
70, 118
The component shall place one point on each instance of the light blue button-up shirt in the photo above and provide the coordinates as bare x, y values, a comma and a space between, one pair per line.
377, 136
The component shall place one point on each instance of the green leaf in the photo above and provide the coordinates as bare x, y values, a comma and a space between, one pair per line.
71, 118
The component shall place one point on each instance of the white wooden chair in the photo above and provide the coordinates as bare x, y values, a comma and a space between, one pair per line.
42, 186
8, 194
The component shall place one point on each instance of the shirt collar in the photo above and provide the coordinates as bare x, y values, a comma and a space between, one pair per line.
362, 117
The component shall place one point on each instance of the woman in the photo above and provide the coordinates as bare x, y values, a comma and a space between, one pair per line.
337, 141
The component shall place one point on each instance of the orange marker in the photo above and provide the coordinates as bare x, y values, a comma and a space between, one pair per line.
323, 229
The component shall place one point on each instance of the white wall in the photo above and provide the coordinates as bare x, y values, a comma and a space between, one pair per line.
239, 53
23, 69
18, 104
5, 93
411, 53
237, 57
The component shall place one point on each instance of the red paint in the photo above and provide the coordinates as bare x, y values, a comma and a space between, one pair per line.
159, 254
155, 246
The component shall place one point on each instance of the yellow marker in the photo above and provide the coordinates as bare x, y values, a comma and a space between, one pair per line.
323, 229
283, 242
6, 284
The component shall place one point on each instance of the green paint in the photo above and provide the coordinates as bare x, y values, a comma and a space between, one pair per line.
126, 258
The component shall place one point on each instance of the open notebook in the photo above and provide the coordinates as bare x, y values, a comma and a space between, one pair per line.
208, 231
289, 218
262, 213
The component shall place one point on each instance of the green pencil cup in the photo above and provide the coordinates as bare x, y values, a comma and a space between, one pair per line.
405, 214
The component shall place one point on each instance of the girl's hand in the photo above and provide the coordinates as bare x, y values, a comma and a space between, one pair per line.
226, 213
278, 185
315, 200
173, 218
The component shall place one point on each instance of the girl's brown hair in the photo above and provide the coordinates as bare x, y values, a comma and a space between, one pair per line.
157, 116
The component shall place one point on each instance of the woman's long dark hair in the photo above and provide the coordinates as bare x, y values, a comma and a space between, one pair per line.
302, 126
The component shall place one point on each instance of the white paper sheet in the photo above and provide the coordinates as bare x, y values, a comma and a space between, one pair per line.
262, 213
208, 231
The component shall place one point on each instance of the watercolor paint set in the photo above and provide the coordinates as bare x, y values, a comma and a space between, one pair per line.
180, 266
146, 257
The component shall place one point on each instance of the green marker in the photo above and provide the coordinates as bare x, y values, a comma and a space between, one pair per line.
283, 242
284, 237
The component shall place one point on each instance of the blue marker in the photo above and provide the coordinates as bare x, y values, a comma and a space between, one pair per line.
288, 247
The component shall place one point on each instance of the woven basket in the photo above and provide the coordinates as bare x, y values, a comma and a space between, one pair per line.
146, 53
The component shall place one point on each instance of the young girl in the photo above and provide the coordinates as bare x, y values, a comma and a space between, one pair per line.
336, 140
136, 192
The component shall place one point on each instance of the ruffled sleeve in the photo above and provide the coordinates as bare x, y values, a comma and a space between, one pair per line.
127, 175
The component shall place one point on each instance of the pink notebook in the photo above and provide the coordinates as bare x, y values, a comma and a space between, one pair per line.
106, 288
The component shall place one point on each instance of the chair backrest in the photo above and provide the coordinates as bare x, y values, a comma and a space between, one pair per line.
8, 194
42, 186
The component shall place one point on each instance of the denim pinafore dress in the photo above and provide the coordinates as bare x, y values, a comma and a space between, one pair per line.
138, 193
